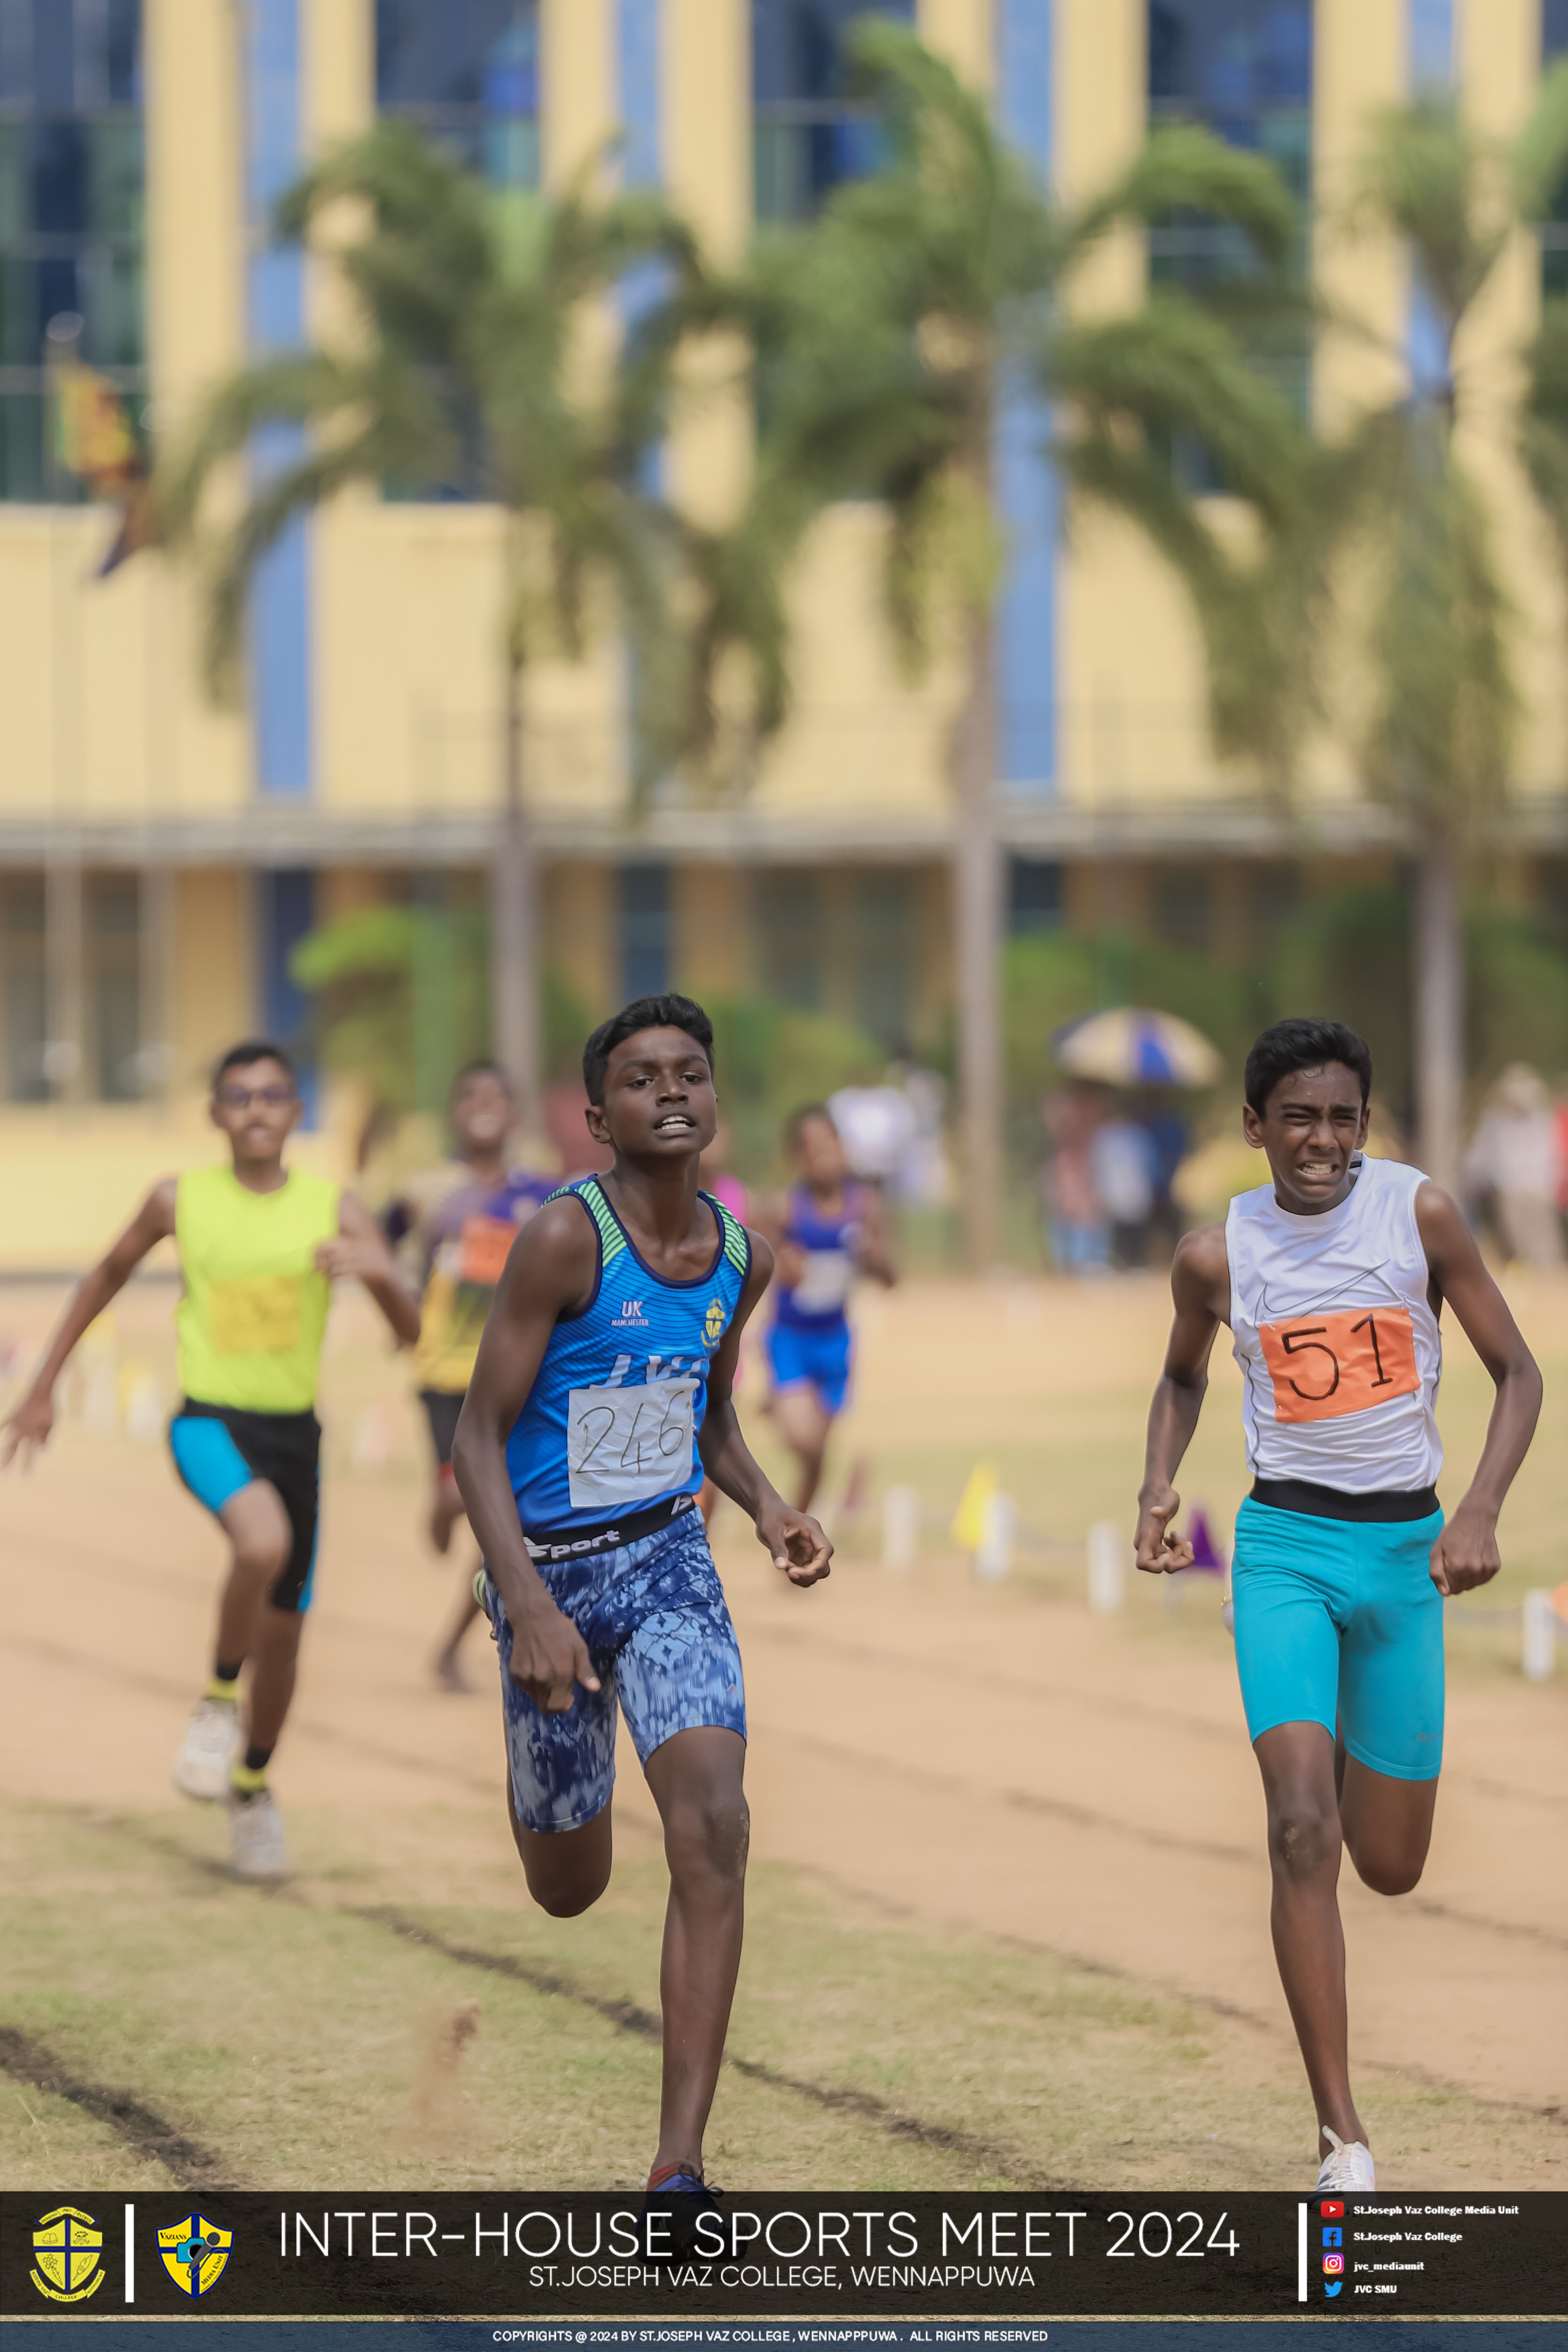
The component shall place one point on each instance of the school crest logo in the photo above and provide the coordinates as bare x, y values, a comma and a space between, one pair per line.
69, 2246
194, 2252
713, 1329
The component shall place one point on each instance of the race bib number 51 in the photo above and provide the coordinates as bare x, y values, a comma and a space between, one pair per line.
1324, 1365
629, 1445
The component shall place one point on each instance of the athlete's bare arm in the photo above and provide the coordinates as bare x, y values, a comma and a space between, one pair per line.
795, 1542
361, 1252
1200, 1286
549, 1272
28, 1425
788, 1258
1466, 1553
873, 1249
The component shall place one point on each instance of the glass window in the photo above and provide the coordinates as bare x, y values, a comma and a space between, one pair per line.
114, 981
1035, 898
467, 73
883, 948
644, 931
26, 994
792, 937
806, 136
1242, 69
72, 194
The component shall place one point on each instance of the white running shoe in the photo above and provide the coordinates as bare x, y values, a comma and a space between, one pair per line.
1348, 2164
202, 1766
256, 1837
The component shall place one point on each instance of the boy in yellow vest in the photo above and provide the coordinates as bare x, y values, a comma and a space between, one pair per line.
259, 1246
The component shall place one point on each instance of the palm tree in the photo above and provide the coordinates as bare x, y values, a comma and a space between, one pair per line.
883, 338
1370, 594
467, 369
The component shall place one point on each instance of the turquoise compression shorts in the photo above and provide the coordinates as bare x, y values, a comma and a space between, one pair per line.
1338, 1623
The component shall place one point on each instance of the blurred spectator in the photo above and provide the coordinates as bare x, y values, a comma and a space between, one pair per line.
1122, 1167
1075, 1222
877, 1127
1158, 1113
1515, 1163
713, 1175
923, 1178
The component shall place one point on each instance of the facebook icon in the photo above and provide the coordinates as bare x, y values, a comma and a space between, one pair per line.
1333, 2237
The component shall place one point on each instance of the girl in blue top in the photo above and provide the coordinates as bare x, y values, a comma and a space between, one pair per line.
825, 1231
601, 1395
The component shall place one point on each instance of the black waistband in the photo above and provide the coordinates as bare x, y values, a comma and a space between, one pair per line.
1331, 1502
285, 1423
575, 1543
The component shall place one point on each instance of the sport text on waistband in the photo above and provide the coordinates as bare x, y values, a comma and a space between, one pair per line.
566, 1544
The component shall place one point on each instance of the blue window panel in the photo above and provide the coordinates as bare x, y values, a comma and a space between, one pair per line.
807, 138
645, 910
1431, 36
279, 617
639, 88
466, 72
1430, 28
1026, 482
72, 230
287, 911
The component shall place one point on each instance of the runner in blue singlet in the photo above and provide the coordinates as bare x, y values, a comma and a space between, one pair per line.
600, 1395
825, 1231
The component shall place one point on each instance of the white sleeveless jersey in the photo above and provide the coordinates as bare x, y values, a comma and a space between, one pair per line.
1338, 1350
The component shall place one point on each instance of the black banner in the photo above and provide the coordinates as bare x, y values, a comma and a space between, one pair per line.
527, 2255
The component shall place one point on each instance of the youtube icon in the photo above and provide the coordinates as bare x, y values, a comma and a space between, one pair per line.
1331, 2208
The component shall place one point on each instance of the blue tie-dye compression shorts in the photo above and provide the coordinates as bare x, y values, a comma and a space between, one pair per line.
654, 1616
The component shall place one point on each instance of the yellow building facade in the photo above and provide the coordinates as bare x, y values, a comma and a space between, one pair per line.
159, 856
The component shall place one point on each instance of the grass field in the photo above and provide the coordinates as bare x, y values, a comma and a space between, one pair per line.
1008, 1918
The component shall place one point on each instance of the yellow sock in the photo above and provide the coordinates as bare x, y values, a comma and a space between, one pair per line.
227, 1691
245, 1782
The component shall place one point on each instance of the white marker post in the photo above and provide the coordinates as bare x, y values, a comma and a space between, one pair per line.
900, 1527
1106, 1549
998, 1520
1539, 1650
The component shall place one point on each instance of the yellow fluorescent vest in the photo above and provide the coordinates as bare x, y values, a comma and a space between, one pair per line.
251, 1321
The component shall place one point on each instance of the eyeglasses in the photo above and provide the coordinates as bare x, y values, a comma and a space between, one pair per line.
242, 1097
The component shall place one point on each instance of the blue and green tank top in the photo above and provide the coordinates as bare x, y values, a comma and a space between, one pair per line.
610, 1424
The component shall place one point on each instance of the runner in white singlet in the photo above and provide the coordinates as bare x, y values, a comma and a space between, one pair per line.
1333, 1278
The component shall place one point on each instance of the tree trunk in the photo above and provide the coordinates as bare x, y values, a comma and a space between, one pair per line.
977, 931
1437, 997
515, 1024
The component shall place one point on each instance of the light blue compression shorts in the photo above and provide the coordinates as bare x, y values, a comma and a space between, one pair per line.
1338, 1623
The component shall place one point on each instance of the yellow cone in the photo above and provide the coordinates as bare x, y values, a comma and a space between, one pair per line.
968, 1520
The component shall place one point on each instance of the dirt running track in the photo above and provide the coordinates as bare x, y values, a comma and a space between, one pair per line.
980, 1758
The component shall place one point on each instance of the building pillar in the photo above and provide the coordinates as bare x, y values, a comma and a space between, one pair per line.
65, 1048
155, 953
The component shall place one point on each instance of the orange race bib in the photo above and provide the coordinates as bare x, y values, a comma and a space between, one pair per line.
1323, 1365
485, 1243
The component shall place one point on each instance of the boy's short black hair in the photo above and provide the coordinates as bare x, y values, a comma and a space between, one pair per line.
646, 1012
253, 1049
795, 1125
482, 1068
1303, 1044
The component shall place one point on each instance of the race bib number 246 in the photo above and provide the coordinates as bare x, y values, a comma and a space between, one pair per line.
629, 1445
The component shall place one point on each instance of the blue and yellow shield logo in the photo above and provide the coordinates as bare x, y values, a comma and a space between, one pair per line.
713, 1329
68, 2244
194, 2252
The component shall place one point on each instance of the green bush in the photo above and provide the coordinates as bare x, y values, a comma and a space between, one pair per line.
400, 999
768, 1060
